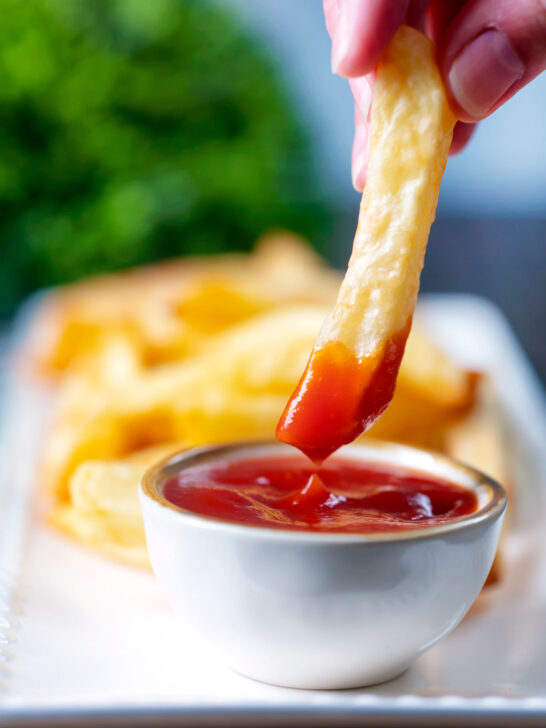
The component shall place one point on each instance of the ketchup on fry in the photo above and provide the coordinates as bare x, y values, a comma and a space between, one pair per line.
339, 396
344, 495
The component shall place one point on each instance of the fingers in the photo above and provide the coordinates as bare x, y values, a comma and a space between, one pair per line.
440, 14
415, 14
491, 50
461, 135
360, 31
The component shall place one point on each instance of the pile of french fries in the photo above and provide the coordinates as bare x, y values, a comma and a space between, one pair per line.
195, 351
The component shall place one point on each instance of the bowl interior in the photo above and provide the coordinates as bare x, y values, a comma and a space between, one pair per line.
491, 496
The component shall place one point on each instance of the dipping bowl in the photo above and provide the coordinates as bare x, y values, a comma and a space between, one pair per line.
310, 609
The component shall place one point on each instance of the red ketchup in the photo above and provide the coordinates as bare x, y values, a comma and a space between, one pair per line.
339, 396
344, 495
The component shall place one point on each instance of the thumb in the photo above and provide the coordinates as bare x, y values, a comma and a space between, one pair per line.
492, 49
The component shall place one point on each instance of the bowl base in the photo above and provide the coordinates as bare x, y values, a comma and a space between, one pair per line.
338, 682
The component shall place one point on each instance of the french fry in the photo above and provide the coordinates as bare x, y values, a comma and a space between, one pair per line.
96, 533
104, 511
236, 388
169, 310
230, 390
431, 395
430, 373
478, 441
349, 380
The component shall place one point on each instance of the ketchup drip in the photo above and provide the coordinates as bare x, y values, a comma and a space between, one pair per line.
339, 396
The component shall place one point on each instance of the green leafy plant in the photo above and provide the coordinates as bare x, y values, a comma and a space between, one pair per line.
136, 129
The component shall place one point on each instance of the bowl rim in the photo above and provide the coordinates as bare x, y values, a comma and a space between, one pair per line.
156, 475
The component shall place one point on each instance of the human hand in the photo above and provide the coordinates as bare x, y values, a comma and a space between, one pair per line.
487, 51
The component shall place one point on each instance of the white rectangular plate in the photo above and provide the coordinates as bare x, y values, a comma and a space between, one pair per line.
84, 639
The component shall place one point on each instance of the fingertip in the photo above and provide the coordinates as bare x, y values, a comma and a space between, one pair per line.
359, 178
438, 17
351, 60
461, 136
362, 32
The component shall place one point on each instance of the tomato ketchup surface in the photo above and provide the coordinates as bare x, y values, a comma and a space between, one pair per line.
339, 396
344, 495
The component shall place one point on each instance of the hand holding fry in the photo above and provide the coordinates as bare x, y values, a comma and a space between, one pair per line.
488, 51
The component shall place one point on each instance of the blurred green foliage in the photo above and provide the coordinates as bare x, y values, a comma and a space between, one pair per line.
137, 129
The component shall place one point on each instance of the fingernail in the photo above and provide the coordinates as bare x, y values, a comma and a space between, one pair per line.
484, 71
362, 90
358, 172
340, 44
359, 156
339, 50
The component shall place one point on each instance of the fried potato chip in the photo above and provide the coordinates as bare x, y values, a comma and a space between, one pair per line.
355, 360
104, 509
114, 542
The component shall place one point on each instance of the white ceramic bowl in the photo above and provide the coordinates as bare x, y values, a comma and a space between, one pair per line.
321, 610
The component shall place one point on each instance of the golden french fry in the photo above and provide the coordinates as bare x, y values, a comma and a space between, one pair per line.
235, 388
432, 394
416, 420
230, 390
478, 440
109, 489
148, 456
427, 371
169, 310
104, 511
350, 377
113, 540
266, 352
222, 416
292, 272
